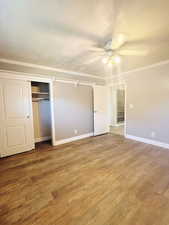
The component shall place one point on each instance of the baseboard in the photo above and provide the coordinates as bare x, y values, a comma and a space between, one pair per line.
148, 141
64, 141
42, 139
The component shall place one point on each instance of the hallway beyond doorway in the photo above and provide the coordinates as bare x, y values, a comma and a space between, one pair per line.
119, 130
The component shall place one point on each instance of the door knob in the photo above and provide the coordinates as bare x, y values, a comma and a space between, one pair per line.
28, 117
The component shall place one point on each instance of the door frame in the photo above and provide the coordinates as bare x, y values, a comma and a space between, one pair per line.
51, 97
35, 78
113, 104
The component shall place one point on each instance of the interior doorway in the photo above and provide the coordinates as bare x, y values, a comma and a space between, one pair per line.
118, 110
120, 106
41, 108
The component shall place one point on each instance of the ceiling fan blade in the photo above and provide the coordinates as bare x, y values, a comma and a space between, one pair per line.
133, 52
147, 44
93, 60
96, 49
118, 41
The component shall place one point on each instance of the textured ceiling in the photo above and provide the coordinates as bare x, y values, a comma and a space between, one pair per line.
59, 33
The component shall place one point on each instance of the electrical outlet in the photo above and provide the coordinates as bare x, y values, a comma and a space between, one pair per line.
153, 134
75, 131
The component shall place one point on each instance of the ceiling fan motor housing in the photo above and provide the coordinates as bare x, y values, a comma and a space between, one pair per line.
108, 45
109, 52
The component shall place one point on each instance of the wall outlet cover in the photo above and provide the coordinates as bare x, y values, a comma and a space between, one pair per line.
153, 134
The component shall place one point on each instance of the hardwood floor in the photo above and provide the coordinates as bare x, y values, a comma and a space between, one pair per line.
104, 180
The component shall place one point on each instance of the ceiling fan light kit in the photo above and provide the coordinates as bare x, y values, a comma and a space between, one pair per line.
117, 59
115, 48
109, 63
105, 60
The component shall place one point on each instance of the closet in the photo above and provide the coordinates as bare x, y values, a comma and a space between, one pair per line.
41, 111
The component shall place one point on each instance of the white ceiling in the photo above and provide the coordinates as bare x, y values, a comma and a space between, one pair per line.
59, 33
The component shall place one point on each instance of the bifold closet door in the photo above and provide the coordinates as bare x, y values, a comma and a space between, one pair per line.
16, 129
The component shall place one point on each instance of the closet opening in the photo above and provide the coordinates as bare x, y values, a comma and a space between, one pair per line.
41, 108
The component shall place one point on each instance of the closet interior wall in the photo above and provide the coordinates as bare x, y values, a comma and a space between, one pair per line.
41, 111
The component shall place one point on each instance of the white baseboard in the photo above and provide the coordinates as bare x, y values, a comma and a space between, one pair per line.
63, 141
42, 139
148, 141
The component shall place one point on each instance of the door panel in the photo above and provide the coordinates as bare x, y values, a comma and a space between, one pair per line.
16, 102
100, 110
17, 127
13, 139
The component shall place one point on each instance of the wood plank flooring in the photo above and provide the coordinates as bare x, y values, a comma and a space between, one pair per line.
104, 180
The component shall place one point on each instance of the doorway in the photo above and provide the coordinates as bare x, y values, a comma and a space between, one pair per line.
118, 110
41, 110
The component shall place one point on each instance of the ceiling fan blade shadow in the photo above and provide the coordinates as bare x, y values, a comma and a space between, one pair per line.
96, 49
93, 60
66, 29
118, 20
78, 58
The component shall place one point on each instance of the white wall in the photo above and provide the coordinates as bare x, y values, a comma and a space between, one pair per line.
73, 110
148, 93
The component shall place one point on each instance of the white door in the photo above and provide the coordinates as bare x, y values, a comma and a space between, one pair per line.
16, 126
101, 119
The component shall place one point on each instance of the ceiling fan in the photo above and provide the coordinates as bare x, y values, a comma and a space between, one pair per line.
114, 49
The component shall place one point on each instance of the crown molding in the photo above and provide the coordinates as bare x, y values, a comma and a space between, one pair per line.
138, 69
20, 63
26, 76
6, 74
